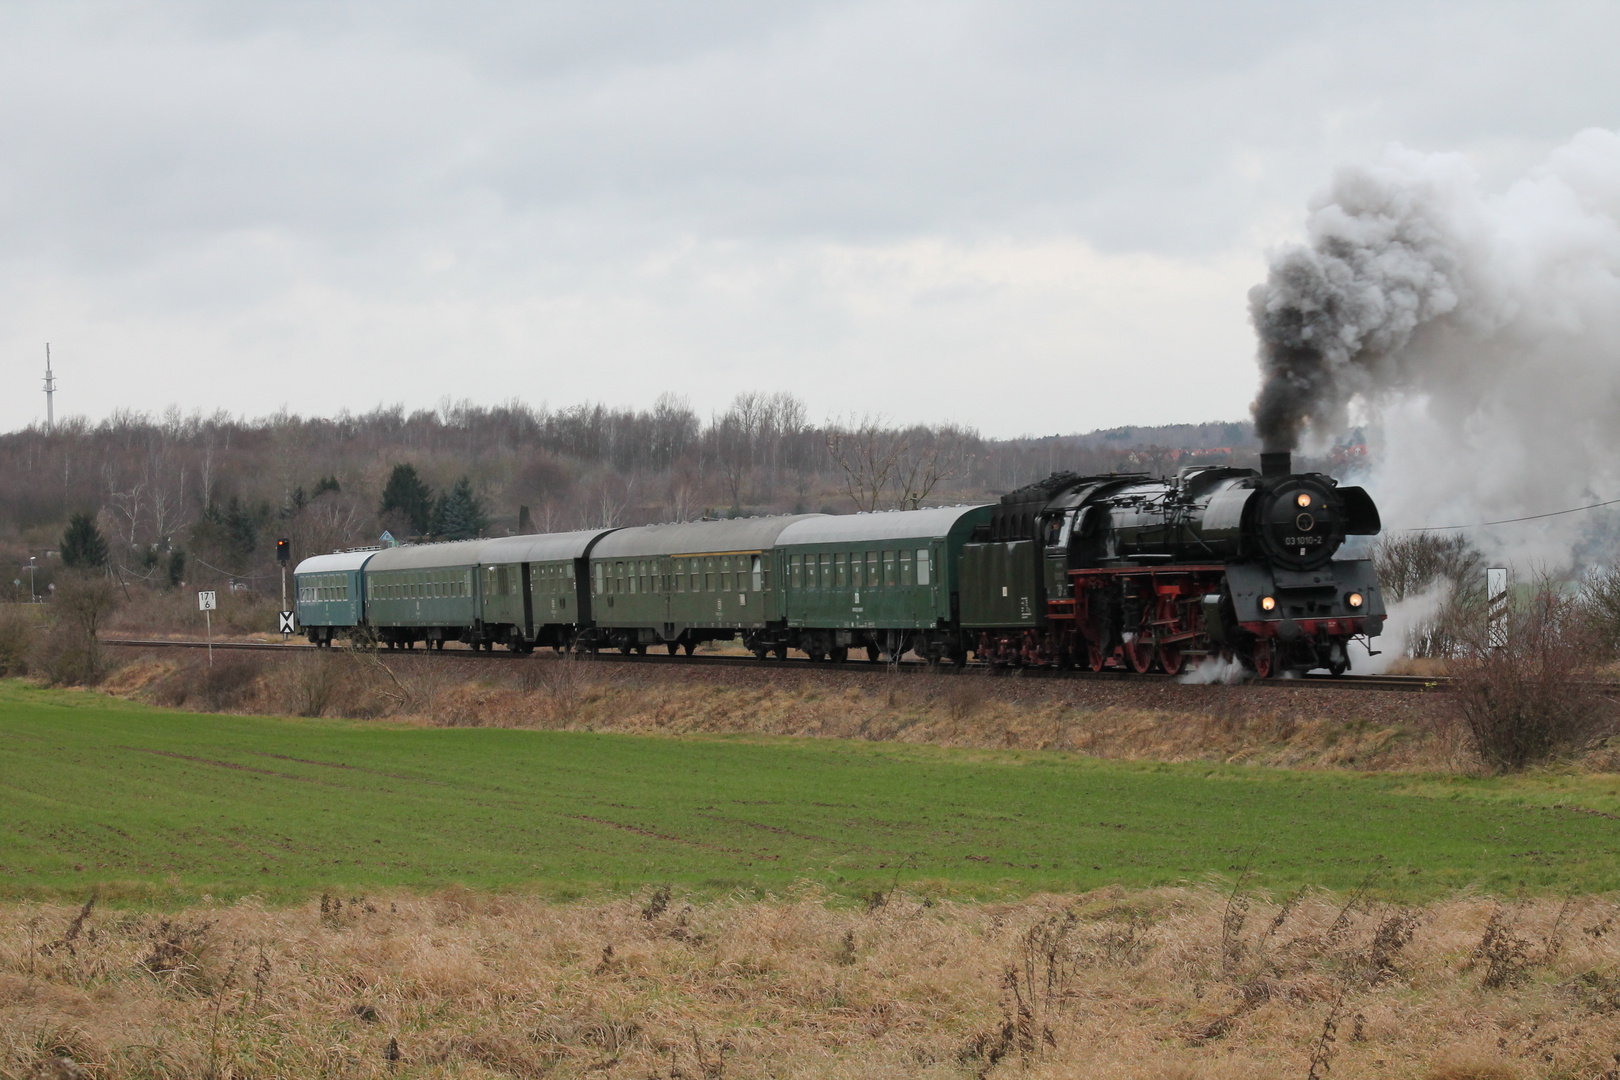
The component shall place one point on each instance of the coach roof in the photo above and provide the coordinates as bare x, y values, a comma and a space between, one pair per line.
336, 562
541, 547
888, 525
697, 537
427, 556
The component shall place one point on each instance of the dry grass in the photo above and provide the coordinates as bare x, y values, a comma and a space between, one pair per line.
1300, 727
1204, 983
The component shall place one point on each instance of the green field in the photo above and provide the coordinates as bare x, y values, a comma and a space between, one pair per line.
157, 805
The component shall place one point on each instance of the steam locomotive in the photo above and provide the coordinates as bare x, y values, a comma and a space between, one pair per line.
1139, 573
1116, 571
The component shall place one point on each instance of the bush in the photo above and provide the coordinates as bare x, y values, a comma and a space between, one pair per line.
18, 632
226, 682
1533, 698
71, 652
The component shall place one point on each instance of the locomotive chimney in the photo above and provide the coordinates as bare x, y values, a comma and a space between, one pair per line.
1276, 463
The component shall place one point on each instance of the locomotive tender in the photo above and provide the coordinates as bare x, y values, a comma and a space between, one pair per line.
1119, 571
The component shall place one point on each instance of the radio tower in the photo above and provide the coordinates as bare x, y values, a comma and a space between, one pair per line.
50, 388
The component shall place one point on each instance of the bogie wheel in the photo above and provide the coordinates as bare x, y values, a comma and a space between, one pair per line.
1170, 658
840, 654
1264, 665
1337, 669
673, 647
641, 650
761, 652
781, 652
873, 653
1097, 655
624, 650
690, 647
1140, 655
816, 656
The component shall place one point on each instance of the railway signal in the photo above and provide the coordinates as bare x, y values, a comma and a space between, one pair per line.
283, 556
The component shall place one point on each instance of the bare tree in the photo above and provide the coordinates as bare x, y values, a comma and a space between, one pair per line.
926, 459
868, 453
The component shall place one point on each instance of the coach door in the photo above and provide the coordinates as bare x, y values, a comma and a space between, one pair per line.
526, 589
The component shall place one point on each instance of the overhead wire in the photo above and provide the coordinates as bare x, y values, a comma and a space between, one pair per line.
1510, 521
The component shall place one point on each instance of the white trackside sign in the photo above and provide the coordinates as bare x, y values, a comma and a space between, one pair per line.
205, 601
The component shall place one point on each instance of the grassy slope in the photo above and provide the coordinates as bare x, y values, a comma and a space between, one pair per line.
148, 801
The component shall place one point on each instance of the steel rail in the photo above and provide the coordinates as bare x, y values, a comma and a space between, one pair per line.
1406, 683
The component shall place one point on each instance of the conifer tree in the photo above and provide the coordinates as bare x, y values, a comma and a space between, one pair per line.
82, 545
407, 493
460, 514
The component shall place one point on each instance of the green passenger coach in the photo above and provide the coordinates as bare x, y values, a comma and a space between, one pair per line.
535, 588
425, 592
329, 593
682, 584
886, 582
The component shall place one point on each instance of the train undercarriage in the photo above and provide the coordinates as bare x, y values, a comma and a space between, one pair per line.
1166, 619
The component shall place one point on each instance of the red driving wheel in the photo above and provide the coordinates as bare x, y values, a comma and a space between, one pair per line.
1170, 658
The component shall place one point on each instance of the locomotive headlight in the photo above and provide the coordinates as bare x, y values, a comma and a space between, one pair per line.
1354, 599
1303, 498
1268, 603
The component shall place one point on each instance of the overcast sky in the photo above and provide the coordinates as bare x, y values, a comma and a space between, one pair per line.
1028, 218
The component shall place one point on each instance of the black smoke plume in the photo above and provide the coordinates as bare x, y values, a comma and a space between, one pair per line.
1335, 314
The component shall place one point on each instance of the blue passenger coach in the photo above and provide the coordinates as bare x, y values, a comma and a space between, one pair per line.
330, 591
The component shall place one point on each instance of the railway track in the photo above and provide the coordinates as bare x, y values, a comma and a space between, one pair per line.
1403, 683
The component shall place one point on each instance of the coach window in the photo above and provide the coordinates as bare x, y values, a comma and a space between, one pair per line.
758, 574
696, 569
888, 568
905, 567
598, 578
796, 571
841, 570
925, 569
827, 571
708, 575
725, 573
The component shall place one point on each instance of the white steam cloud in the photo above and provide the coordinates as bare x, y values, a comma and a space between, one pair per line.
1476, 335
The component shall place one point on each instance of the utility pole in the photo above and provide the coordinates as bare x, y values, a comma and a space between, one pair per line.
33, 594
50, 389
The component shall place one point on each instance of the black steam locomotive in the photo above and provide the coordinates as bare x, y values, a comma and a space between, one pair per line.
1135, 572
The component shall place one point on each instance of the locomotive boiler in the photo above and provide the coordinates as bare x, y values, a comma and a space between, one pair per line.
1141, 573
